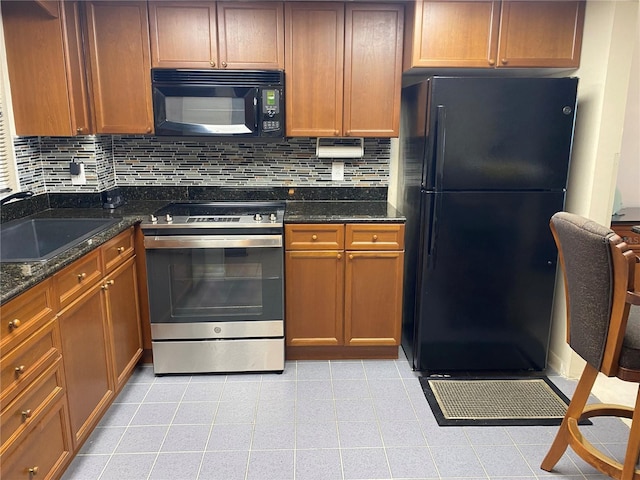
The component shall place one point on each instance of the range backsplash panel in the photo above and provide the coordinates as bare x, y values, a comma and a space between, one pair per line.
119, 160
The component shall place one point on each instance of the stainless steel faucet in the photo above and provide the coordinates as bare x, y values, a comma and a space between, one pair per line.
25, 194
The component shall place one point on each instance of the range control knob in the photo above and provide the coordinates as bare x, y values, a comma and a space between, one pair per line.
272, 217
153, 218
168, 218
257, 217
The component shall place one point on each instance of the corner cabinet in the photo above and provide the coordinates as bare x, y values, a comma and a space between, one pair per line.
343, 290
494, 34
119, 66
351, 86
235, 35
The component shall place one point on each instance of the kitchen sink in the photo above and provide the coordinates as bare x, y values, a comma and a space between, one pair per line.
39, 239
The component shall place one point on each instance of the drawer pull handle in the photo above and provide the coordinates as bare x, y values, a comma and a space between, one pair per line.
120, 249
314, 237
13, 324
33, 471
26, 414
82, 276
375, 238
19, 370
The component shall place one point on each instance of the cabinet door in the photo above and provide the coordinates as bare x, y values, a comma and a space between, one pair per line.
314, 54
314, 298
373, 69
183, 34
373, 298
251, 35
541, 33
87, 361
124, 313
44, 69
118, 40
453, 34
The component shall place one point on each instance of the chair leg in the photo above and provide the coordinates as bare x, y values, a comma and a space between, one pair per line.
633, 445
576, 406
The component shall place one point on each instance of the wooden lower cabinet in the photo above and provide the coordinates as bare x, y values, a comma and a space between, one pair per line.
86, 351
344, 302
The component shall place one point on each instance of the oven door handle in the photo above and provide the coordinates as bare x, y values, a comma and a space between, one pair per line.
212, 241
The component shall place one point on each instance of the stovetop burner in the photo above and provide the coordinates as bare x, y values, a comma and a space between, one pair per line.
217, 215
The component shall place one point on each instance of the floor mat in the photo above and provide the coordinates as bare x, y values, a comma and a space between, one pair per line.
494, 401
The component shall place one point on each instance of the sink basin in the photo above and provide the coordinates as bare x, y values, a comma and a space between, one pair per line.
38, 239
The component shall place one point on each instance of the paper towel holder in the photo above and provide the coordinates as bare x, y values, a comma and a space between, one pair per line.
352, 148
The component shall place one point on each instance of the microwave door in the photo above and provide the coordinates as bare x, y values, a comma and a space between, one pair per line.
207, 110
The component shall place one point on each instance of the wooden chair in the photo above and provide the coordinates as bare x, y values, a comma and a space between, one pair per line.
598, 270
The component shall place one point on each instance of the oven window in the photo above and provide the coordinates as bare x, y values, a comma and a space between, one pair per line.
232, 284
207, 111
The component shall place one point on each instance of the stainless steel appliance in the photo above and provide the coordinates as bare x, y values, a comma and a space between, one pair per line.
215, 281
484, 165
220, 103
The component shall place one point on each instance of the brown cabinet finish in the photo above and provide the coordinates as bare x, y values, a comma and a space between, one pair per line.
541, 33
86, 350
373, 69
343, 303
118, 49
46, 70
183, 34
633, 240
494, 34
314, 76
75, 279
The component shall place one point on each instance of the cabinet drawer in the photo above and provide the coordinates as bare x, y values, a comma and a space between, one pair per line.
117, 250
632, 238
314, 237
43, 451
22, 365
77, 277
375, 237
26, 313
29, 406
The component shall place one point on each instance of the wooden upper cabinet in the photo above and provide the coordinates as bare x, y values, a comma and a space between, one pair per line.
46, 69
373, 69
490, 34
453, 34
193, 34
541, 34
251, 35
314, 59
118, 49
183, 34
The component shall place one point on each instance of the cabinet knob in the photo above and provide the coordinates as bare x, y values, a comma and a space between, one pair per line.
339, 256
107, 283
212, 63
82, 276
120, 249
13, 324
224, 64
26, 414
374, 238
148, 129
351, 256
314, 237
504, 61
33, 471
19, 370
492, 61
79, 130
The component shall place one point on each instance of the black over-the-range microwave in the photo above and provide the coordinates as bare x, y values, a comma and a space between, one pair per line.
218, 103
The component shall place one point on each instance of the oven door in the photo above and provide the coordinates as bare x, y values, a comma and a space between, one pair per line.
206, 111
215, 286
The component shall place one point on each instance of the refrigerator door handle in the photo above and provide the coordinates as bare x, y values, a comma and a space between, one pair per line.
433, 234
441, 118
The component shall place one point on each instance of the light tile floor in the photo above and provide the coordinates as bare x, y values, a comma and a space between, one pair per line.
318, 420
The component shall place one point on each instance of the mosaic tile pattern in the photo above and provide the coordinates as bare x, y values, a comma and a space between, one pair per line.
155, 161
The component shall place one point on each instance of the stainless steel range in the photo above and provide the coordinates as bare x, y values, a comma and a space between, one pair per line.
215, 281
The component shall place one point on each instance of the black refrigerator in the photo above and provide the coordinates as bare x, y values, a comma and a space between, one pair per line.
483, 166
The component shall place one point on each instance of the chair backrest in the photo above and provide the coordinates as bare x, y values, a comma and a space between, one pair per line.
596, 266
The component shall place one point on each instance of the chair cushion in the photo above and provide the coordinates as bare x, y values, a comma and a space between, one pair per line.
630, 353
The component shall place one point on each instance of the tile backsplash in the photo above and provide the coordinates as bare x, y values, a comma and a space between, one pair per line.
43, 163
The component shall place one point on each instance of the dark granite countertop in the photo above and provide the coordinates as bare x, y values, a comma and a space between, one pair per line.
627, 215
15, 278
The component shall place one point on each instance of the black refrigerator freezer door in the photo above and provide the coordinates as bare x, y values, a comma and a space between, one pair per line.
486, 288
499, 133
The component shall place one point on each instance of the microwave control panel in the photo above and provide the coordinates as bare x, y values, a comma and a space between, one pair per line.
271, 111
